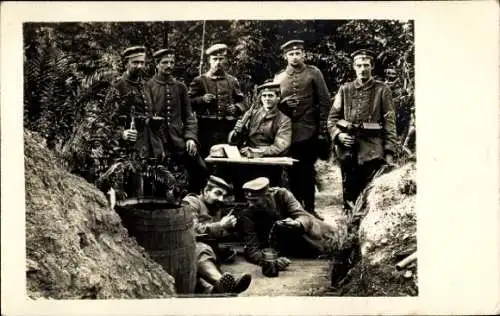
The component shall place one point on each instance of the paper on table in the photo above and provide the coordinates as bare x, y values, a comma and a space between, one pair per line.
232, 152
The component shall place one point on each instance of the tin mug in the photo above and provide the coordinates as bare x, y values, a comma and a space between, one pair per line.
269, 264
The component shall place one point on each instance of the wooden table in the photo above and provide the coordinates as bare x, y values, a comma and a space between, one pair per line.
269, 161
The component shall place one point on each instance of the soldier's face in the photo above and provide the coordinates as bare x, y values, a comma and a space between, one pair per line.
258, 201
295, 57
214, 195
363, 68
166, 65
217, 62
135, 65
269, 99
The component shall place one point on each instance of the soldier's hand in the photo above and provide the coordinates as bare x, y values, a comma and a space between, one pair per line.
208, 97
291, 101
283, 263
231, 109
346, 140
130, 135
191, 147
228, 221
289, 223
254, 153
245, 151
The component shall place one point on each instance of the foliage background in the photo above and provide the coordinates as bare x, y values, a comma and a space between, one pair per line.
68, 66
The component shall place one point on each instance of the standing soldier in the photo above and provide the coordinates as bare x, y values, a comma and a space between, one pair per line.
217, 99
174, 125
306, 100
124, 100
362, 127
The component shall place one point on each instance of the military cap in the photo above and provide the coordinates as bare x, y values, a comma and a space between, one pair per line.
256, 187
269, 85
162, 52
134, 52
293, 44
217, 49
220, 183
366, 53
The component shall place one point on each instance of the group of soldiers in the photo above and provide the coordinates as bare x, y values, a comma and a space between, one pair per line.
164, 118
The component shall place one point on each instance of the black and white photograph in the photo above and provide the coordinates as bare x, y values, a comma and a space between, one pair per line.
220, 158
250, 158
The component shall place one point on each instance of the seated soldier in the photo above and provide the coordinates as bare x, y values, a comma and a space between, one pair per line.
275, 219
208, 222
263, 131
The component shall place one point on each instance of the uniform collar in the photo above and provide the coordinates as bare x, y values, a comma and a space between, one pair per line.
220, 75
358, 84
127, 78
271, 113
291, 70
163, 80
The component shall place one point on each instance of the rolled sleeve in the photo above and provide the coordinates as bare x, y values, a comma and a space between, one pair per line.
282, 140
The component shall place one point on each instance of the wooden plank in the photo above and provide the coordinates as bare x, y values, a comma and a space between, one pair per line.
283, 161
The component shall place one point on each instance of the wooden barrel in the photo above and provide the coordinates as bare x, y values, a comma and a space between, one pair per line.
166, 232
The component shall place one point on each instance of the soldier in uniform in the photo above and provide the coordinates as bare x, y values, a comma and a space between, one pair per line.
275, 219
364, 100
217, 100
208, 222
306, 100
175, 128
263, 131
124, 101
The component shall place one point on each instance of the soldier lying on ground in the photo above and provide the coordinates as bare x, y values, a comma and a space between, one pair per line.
208, 222
275, 219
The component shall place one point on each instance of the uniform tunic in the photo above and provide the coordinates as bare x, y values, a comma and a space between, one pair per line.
169, 99
257, 225
205, 222
125, 98
215, 122
310, 115
308, 122
357, 102
268, 131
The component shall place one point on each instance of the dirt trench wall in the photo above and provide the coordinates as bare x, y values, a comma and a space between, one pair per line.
76, 247
387, 234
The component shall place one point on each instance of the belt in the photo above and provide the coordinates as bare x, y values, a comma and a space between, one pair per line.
215, 117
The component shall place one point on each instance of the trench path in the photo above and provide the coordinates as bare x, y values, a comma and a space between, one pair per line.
304, 277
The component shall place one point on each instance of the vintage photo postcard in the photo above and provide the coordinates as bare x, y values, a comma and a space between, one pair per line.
250, 158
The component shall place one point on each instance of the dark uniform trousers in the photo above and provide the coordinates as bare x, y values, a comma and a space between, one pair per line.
355, 177
214, 122
302, 174
309, 118
363, 102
